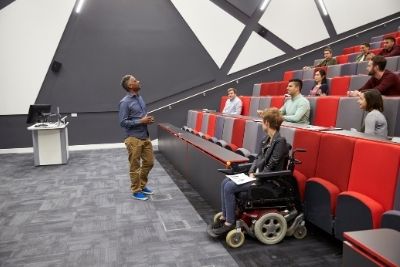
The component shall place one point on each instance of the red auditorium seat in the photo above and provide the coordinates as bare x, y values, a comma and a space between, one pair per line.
392, 34
211, 126
332, 173
342, 59
288, 75
199, 122
222, 103
246, 105
398, 41
269, 88
277, 101
339, 86
237, 134
376, 51
326, 111
309, 140
348, 50
282, 88
372, 185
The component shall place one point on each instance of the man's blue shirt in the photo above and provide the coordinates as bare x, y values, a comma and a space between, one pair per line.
131, 109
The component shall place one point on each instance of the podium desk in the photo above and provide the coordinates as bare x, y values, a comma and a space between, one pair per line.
50, 143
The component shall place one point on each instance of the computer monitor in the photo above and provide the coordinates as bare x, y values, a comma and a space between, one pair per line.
38, 113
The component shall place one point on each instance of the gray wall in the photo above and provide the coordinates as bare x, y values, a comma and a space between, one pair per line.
150, 39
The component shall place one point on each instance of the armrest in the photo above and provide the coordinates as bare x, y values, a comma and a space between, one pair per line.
244, 167
270, 175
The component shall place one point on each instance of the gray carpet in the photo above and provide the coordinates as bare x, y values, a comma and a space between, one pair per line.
81, 214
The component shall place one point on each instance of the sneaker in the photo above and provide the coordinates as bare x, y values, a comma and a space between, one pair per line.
223, 230
147, 191
139, 196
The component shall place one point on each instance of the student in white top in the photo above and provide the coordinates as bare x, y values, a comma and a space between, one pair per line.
374, 122
233, 104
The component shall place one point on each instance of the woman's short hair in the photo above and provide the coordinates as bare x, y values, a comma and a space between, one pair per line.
374, 100
274, 118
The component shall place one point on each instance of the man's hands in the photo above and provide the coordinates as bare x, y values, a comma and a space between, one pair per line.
147, 119
353, 93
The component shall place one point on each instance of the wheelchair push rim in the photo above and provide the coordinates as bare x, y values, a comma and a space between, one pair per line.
271, 228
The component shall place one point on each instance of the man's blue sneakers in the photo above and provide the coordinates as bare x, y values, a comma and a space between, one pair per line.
139, 196
147, 191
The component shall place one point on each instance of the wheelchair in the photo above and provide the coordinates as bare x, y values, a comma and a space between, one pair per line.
270, 209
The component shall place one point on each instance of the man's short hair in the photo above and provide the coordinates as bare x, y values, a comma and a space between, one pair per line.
274, 118
366, 45
232, 89
328, 49
379, 61
124, 82
390, 38
297, 83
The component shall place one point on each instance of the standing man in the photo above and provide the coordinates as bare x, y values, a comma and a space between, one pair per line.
134, 119
233, 104
297, 108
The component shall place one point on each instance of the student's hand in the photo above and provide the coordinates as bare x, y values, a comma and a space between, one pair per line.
251, 175
260, 112
306, 68
147, 120
353, 93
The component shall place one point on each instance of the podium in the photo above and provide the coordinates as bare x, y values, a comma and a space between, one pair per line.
50, 143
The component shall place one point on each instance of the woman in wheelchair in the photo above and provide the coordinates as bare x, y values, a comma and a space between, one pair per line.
273, 156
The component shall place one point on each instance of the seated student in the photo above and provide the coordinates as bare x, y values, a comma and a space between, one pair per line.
321, 86
328, 59
272, 157
374, 122
233, 104
390, 49
297, 107
365, 54
387, 82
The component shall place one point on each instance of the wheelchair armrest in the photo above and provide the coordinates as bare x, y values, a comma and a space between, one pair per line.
226, 171
243, 167
270, 175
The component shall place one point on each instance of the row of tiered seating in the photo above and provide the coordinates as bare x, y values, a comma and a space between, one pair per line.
329, 111
332, 176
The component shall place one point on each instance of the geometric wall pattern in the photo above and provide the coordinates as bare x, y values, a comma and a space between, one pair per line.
30, 32
359, 12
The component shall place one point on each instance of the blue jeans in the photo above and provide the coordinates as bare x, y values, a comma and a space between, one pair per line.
228, 200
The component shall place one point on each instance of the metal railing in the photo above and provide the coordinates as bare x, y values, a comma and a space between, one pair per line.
169, 106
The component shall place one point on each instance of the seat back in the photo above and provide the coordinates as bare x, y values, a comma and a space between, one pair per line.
374, 171
349, 69
392, 113
288, 133
238, 132
349, 114
308, 140
335, 155
333, 71
265, 102
313, 107
219, 127
269, 89
298, 74
308, 74
277, 101
254, 106
282, 88
191, 119
228, 129
326, 111
376, 38
352, 58
288, 75
212, 119
222, 103
256, 89
245, 105
348, 50
362, 67
307, 86
391, 63
358, 81
253, 134
204, 124
339, 86
341, 59
199, 121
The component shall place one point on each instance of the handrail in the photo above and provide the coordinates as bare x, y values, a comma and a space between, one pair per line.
268, 67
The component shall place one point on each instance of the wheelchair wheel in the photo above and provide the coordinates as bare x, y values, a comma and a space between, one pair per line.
300, 232
270, 228
234, 239
217, 216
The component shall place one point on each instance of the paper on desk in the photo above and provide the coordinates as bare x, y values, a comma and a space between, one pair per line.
240, 178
